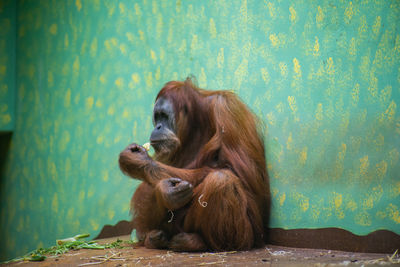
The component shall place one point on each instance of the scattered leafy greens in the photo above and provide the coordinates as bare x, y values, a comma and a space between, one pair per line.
65, 245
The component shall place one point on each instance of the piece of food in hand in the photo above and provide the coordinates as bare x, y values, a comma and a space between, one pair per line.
147, 146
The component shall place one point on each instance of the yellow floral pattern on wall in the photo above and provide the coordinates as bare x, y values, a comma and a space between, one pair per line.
7, 65
324, 76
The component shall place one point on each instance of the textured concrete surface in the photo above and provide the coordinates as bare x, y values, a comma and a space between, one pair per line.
266, 256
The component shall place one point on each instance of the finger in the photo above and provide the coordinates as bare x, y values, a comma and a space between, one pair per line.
183, 186
136, 148
179, 192
181, 197
173, 181
169, 183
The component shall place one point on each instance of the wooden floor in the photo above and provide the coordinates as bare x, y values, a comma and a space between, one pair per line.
267, 256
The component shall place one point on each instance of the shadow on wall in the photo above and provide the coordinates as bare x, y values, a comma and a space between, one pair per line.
5, 141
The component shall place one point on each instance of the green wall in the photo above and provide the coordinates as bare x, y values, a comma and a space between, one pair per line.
7, 64
323, 75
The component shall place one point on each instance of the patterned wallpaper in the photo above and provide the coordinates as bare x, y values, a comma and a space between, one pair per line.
7, 64
324, 76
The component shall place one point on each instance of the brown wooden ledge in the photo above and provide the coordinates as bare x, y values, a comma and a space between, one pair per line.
381, 241
121, 228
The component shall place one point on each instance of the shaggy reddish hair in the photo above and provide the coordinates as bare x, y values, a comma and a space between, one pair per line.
221, 154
